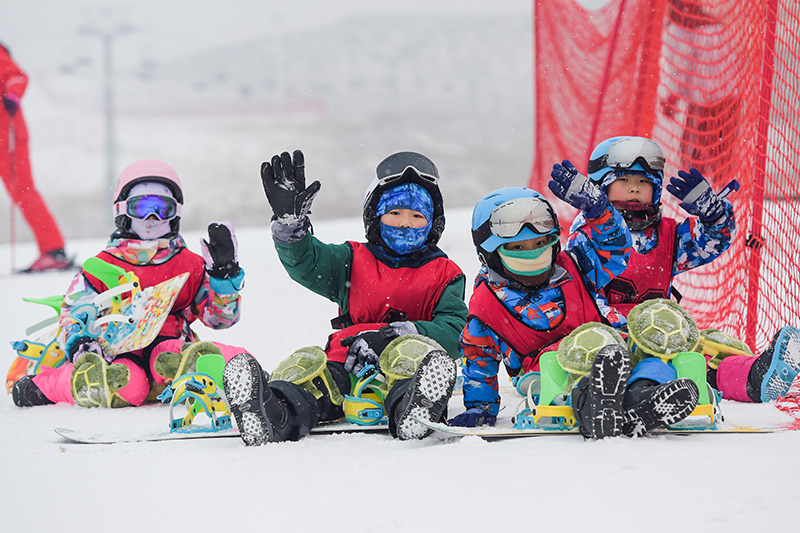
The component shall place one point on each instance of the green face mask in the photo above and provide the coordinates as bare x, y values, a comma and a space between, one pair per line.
528, 262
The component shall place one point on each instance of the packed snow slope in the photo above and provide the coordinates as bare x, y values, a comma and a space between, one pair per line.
344, 483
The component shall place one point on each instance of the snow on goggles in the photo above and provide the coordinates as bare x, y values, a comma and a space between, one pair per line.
625, 153
163, 207
394, 166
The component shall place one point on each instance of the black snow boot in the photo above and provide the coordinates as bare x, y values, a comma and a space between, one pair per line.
266, 412
649, 405
25, 393
597, 399
425, 395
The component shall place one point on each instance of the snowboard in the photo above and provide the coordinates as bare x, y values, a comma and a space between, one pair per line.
77, 436
121, 324
500, 433
130, 323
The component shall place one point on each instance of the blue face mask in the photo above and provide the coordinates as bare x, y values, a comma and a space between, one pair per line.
405, 240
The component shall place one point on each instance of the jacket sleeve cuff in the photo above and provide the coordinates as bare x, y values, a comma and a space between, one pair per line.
224, 287
289, 229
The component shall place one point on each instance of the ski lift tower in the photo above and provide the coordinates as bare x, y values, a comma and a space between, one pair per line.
107, 38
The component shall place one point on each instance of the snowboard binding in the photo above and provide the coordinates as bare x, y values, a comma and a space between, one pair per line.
40, 349
366, 406
199, 391
545, 402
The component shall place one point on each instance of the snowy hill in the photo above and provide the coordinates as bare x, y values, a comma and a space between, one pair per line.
216, 95
353, 483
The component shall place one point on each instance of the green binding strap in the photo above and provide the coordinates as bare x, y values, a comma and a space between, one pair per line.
692, 365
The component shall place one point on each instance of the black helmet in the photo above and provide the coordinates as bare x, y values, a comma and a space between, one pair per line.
397, 169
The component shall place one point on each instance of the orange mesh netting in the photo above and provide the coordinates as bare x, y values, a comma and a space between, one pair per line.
715, 83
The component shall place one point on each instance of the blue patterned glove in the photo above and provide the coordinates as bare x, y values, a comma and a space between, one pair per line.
472, 418
696, 195
576, 189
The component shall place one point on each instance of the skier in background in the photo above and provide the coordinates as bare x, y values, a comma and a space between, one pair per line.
148, 205
15, 168
398, 285
630, 170
530, 295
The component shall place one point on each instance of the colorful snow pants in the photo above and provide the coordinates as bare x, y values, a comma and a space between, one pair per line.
56, 383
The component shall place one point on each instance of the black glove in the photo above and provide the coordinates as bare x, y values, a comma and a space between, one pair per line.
82, 345
366, 347
221, 251
10, 104
284, 183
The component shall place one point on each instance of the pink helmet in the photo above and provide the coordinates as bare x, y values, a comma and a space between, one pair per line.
148, 170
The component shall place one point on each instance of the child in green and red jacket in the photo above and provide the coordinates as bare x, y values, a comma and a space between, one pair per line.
397, 283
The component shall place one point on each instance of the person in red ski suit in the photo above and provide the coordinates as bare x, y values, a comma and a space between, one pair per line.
15, 168
148, 205
398, 285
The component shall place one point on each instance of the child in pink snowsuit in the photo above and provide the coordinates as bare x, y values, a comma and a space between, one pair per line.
147, 205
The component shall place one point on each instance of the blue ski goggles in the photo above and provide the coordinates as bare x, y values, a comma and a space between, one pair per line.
163, 207
625, 153
393, 167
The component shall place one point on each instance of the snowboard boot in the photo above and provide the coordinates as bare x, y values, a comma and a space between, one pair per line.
425, 395
95, 383
25, 393
266, 412
649, 405
171, 365
597, 399
773, 372
310, 369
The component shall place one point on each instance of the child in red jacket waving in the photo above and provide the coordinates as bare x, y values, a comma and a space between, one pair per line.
148, 204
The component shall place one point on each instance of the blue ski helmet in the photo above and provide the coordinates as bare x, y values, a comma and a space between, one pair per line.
618, 155
511, 214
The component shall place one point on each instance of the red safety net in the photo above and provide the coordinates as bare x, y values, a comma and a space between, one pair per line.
715, 83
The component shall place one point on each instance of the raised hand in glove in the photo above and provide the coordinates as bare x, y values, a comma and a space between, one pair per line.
11, 103
221, 251
576, 189
284, 180
365, 348
696, 195
472, 418
221, 256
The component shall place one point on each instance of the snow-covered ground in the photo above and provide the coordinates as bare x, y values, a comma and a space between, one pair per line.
366, 482
338, 483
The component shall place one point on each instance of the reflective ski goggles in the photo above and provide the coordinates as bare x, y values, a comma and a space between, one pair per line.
510, 218
625, 153
393, 167
163, 207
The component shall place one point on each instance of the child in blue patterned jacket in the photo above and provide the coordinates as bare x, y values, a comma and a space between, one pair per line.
529, 295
